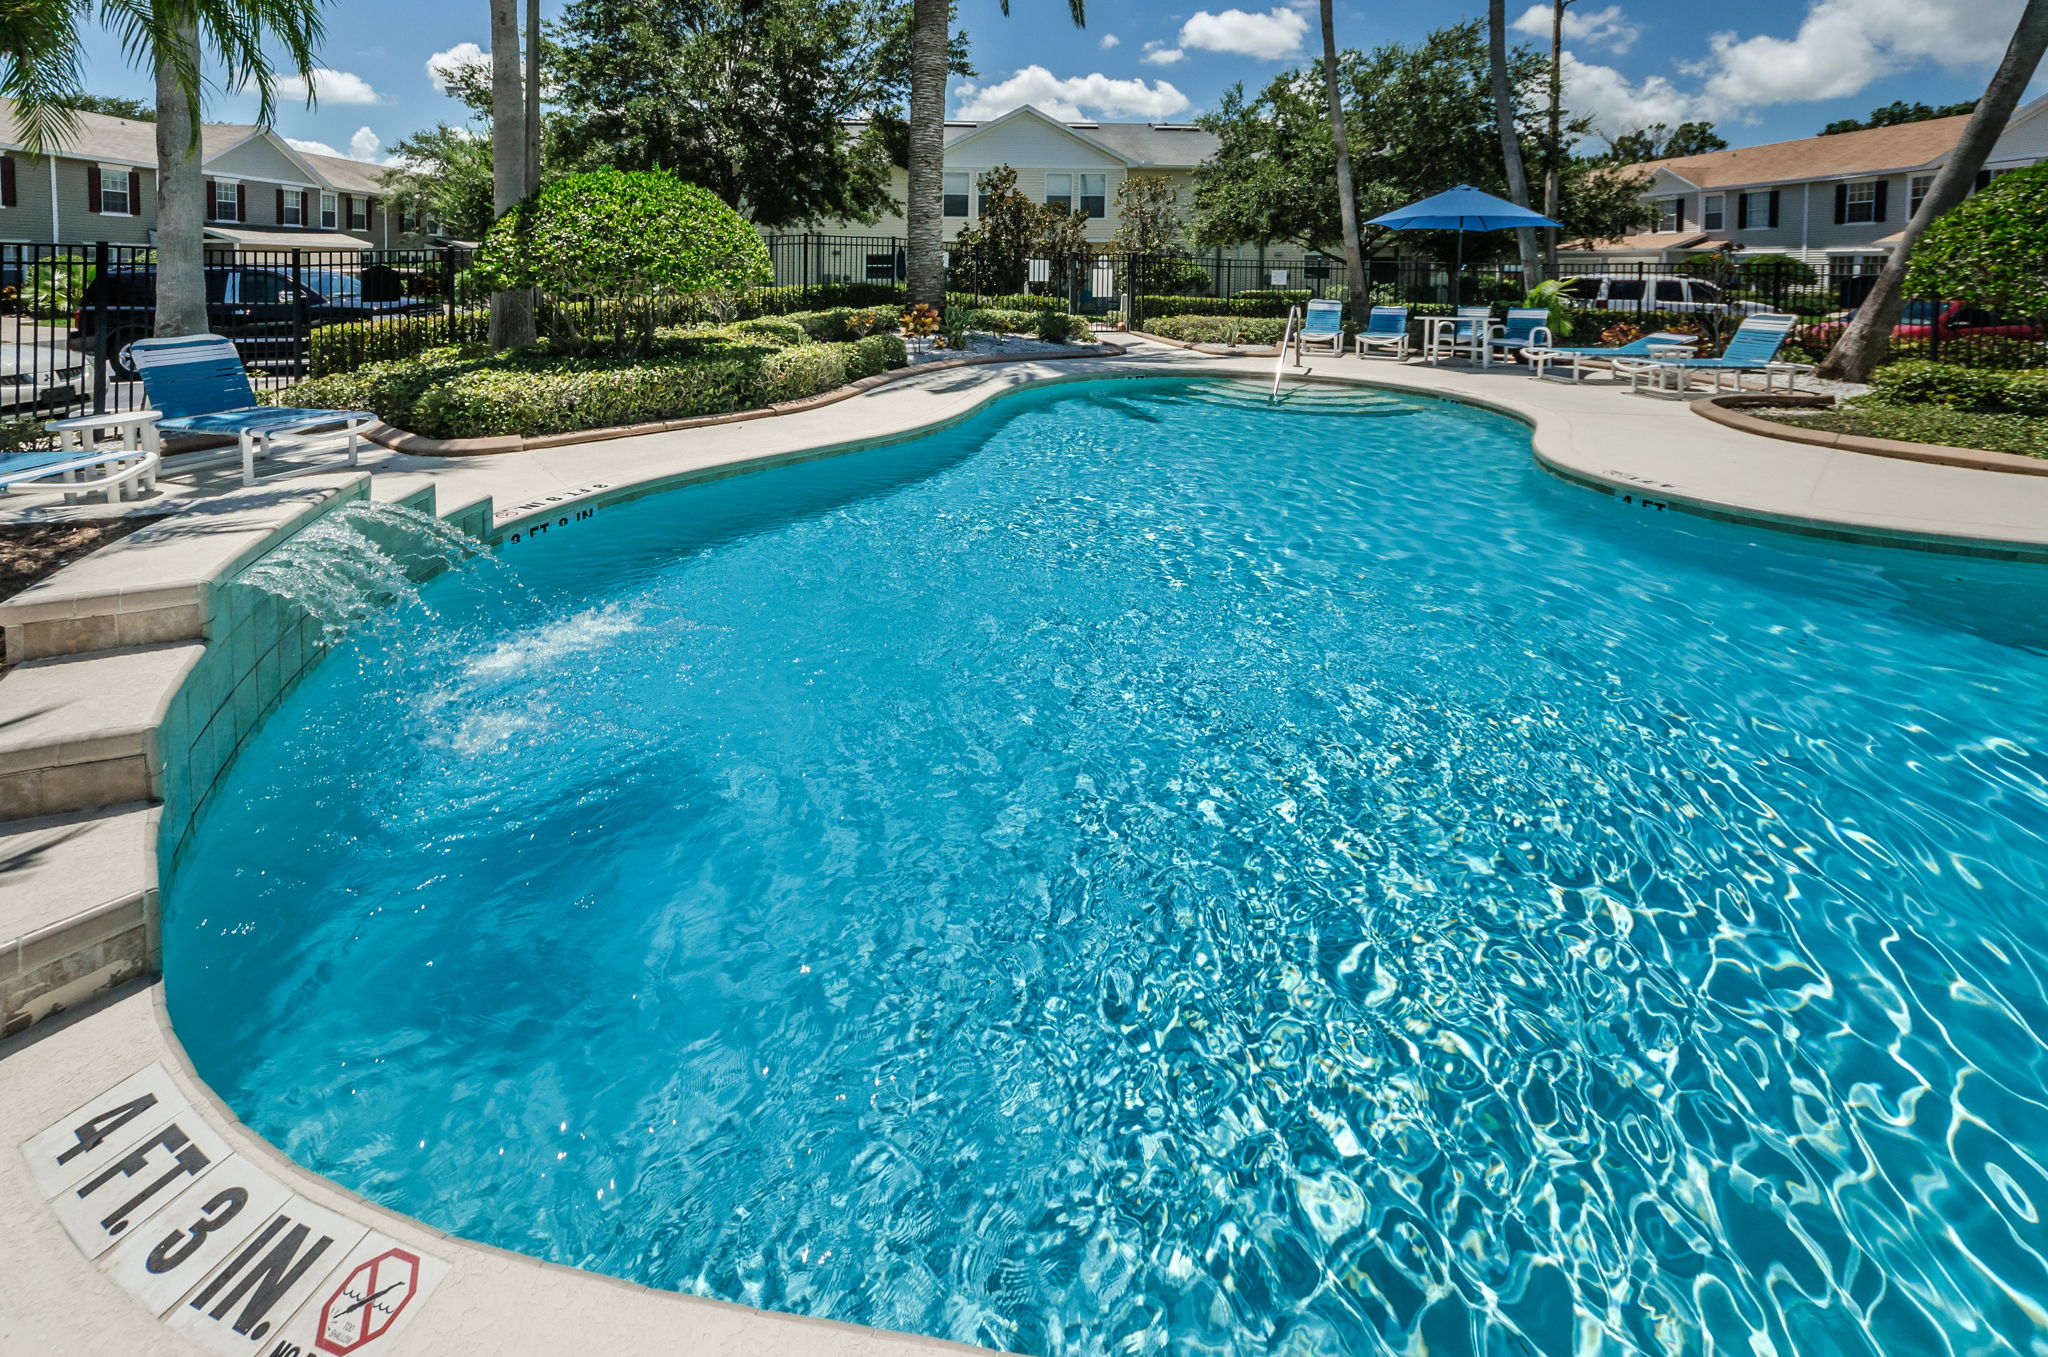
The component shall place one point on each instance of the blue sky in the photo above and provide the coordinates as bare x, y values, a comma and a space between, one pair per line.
1765, 70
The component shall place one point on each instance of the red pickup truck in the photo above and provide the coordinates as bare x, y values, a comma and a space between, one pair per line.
1951, 320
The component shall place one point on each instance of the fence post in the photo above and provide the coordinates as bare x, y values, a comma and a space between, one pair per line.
99, 330
1933, 333
302, 319
448, 288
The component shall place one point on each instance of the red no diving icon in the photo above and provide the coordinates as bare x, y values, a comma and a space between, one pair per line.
366, 1304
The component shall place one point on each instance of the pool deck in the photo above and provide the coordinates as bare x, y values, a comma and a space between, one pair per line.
117, 632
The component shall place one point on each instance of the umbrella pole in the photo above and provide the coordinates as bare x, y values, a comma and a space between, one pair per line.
1458, 275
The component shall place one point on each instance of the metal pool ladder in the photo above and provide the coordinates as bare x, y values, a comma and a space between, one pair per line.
1280, 363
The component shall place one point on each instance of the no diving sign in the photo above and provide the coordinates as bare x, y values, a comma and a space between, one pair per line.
213, 1244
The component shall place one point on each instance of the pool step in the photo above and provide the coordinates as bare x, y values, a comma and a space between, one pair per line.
77, 908
1317, 400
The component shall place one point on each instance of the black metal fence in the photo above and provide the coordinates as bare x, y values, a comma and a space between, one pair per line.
69, 312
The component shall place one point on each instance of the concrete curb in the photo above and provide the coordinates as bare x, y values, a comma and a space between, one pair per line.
419, 445
1728, 411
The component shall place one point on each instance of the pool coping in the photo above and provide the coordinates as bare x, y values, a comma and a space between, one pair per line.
1566, 439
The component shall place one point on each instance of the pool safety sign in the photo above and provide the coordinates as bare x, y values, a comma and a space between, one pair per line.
210, 1242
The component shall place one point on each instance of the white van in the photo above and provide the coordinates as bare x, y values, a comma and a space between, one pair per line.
1626, 292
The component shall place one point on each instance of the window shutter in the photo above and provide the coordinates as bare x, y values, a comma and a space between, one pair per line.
1983, 179
280, 207
135, 193
369, 214
211, 210
7, 189
348, 211
1742, 211
1841, 203
1774, 208
241, 202
92, 188
1884, 195
1681, 214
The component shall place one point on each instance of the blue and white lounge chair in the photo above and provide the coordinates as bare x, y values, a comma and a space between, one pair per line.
1525, 327
1386, 331
83, 465
1323, 324
1754, 349
1460, 336
1573, 361
200, 385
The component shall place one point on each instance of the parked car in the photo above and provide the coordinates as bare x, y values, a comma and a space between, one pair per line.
1626, 292
1949, 320
37, 374
258, 308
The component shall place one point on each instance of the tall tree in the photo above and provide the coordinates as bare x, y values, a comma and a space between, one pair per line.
752, 101
1553, 143
1661, 142
1867, 341
533, 53
931, 40
1347, 199
1896, 113
1505, 103
511, 312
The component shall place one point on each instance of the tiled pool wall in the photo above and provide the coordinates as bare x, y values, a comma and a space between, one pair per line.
258, 646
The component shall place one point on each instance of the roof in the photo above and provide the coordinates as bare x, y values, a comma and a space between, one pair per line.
1653, 240
126, 141
1152, 145
1844, 155
256, 237
349, 176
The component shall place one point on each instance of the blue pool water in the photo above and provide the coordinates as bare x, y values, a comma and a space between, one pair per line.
1142, 871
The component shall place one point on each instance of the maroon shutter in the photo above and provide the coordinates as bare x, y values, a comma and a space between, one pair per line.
347, 218
280, 207
1774, 209
208, 191
135, 193
7, 189
241, 202
92, 188
1884, 195
369, 214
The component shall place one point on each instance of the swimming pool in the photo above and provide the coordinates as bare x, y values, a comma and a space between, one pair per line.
1141, 870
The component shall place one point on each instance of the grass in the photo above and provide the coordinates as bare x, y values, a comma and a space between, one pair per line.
2026, 435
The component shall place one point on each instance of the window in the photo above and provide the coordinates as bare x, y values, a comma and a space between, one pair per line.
1756, 210
1094, 195
329, 212
1059, 191
114, 200
227, 200
292, 207
1667, 214
956, 193
1921, 185
1670, 290
1713, 214
358, 214
1862, 202
1624, 289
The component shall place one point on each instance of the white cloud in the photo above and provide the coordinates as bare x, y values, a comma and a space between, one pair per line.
1270, 36
1159, 54
310, 147
1617, 104
1595, 28
443, 64
1843, 46
364, 145
331, 87
1065, 99
1110, 40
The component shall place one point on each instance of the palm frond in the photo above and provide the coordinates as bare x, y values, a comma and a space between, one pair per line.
39, 47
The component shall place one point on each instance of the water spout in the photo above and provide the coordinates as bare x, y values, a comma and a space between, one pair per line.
358, 560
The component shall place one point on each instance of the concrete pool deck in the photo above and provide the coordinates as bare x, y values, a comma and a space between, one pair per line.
80, 746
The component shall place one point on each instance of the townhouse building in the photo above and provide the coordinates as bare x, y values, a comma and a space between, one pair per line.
1837, 203
262, 193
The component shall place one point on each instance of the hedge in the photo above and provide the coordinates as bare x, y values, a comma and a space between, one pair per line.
1218, 329
344, 348
470, 393
1012, 301
1917, 382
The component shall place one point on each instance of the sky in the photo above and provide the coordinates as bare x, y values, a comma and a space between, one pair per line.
1763, 70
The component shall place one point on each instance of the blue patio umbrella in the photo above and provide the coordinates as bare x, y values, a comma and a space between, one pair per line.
1461, 209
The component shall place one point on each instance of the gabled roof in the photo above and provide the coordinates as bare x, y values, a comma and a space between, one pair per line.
99, 137
1167, 146
1845, 155
345, 175
1031, 113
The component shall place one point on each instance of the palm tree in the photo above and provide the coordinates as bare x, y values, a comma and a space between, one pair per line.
511, 312
1553, 151
931, 22
173, 36
1867, 341
1510, 139
1347, 201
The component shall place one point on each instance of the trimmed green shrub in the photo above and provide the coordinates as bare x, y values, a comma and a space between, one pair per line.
835, 325
876, 353
1219, 329
344, 348
2026, 393
999, 320
1009, 301
1057, 327
784, 330
1916, 382
21, 435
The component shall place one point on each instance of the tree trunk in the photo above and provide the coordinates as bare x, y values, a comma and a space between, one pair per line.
1867, 342
1347, 200
511, 312
180, 190
1510, 140
1553, 169
532, 96
931, 20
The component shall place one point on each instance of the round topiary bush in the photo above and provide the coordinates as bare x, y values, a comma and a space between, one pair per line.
610, 247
